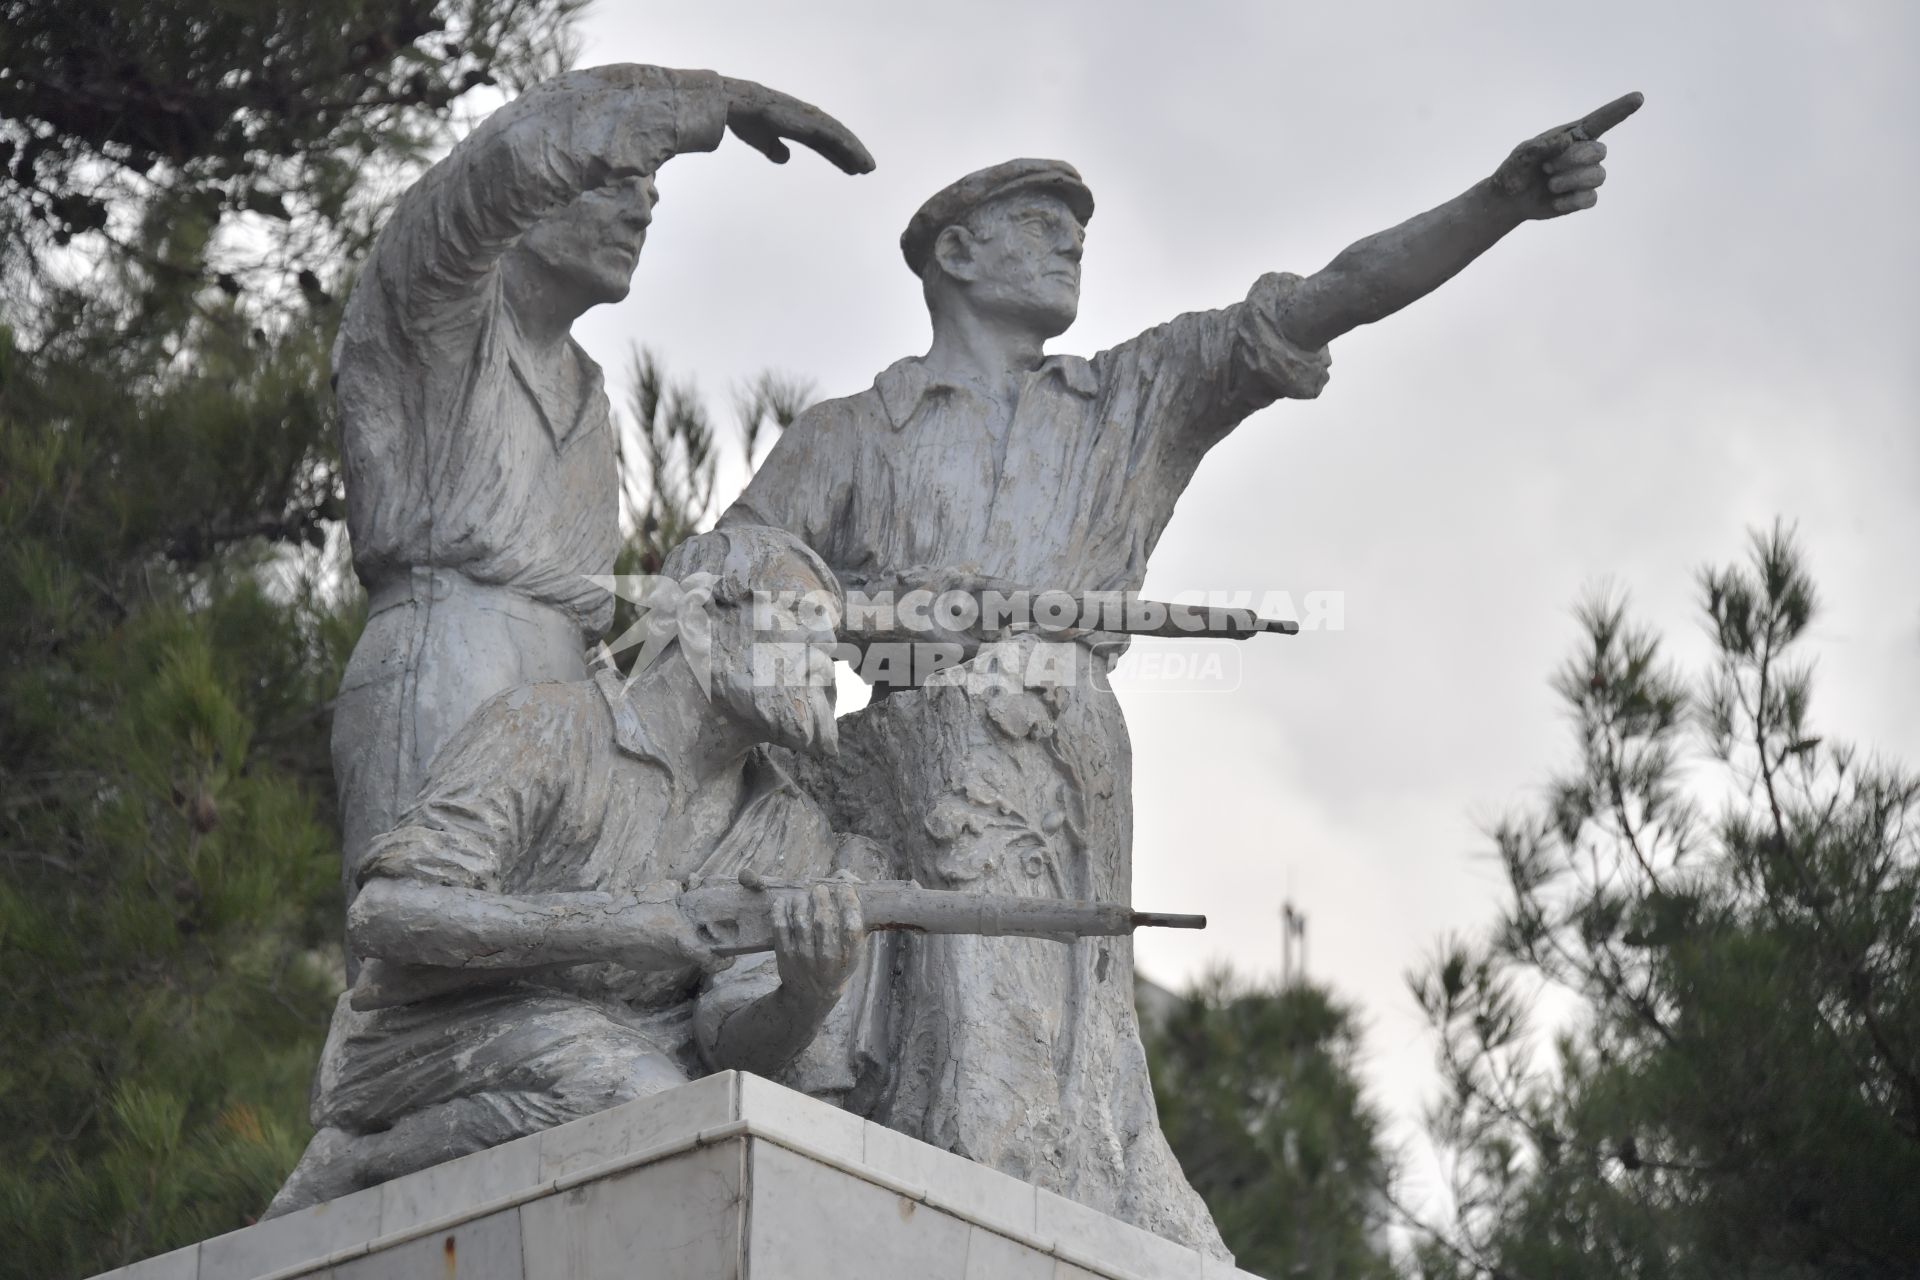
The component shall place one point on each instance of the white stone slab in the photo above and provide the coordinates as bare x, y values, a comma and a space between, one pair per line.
676, 1115
815, 1222
800, 1121
729, 1176
978, 1193
676, 1219
992, 1256
481, 1249
310, 1235
1086, 1236
432, 1195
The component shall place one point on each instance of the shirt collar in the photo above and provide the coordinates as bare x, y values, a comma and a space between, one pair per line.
764, 775
903, 384
629, 733
593, 390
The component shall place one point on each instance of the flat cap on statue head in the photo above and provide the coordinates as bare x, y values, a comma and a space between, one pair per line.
952, 204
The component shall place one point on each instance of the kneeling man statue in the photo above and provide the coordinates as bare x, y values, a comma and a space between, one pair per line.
523, 962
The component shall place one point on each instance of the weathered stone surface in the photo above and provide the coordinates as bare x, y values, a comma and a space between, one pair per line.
726, 1177
528, 959
986, 1196
480, 464
1023, 1054
1077, 1230
994, 1257
572, 1149
988, 465
444, 1189
809, 1219
679, 1218
486, 1248
313, 1234
793, 1118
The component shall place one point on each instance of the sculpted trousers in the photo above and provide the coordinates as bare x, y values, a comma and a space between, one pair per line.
403, 1089
437, 646
1011, 774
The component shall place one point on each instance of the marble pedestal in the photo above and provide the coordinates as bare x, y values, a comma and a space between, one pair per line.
729, 1178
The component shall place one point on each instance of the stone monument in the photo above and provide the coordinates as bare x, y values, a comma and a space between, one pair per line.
725, 1178
531, 976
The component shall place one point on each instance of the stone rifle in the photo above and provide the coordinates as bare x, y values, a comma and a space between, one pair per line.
736, 918
1210, 622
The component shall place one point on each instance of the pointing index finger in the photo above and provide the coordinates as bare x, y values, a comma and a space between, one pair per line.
1595, 123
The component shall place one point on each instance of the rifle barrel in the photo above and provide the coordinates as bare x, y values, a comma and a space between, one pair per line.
1161, 920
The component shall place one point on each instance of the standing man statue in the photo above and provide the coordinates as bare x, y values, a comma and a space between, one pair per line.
479, 454
985, 461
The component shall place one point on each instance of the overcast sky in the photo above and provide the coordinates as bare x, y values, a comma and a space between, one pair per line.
1616, 396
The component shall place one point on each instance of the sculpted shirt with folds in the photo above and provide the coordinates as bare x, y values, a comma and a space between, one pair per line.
558, 788
1072, 492
452, 458
1023, 1054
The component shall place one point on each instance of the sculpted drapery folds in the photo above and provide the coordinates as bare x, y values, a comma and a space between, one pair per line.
988, 464
478, 450
1022, 1054
523, 960
480, 475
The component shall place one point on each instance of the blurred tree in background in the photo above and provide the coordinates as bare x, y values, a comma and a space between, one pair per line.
670, 465
669, 458
184, 191
1730, 900
1259, 1096
119, 120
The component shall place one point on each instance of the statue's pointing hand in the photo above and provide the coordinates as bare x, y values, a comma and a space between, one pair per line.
766, 119
1559, 172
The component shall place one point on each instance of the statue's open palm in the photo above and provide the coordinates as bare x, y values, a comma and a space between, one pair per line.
766, 120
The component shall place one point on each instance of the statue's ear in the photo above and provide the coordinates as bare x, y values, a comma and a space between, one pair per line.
953, 250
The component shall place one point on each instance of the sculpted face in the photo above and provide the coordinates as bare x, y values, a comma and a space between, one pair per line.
773, 660
589, 249
1018, 260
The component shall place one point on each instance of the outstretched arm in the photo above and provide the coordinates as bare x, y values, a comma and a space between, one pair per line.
1556, 173
572, 134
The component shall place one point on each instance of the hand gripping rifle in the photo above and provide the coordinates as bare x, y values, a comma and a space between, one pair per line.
735, 918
